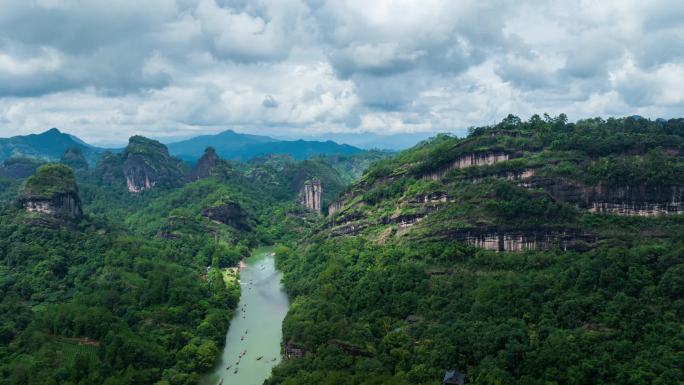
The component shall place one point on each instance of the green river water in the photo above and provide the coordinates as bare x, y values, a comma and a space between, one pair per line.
255, 331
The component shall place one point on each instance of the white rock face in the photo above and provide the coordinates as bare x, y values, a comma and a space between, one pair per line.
310, 195
135, 187
516, 242
65, 206
40, 207
469, 160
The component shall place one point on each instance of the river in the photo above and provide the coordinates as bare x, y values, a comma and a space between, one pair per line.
252, 346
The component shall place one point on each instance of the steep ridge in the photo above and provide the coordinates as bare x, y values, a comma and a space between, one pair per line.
493, 256
205, 165
142, 165
52, 190
513, 187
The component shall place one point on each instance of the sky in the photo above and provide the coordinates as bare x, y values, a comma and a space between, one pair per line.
106, 69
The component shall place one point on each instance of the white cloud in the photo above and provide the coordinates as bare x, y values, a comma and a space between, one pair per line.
104, 70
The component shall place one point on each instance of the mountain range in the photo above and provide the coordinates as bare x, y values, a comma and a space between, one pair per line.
48, 145
231, 145
529, 252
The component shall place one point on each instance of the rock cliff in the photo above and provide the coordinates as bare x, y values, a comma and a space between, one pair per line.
142, 165
205, 164
310, 195
52, 190
230, 214
469, 160
517, 240
640, 200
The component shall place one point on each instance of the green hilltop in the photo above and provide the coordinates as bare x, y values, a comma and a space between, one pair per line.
49, 181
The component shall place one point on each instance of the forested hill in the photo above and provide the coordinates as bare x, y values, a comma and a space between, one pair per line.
529, 252
115, 275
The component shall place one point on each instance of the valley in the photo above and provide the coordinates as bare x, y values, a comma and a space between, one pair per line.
252, 345
528, 252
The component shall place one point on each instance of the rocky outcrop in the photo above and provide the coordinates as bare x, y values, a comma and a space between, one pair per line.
139, 175
52, 190
230, 214
142, 165
205, 164
74, 158
66, 205
310, 195
469, 160
491, 239
621, 200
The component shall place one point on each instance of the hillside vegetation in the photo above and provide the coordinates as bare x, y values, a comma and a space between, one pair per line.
491, 254
529, 252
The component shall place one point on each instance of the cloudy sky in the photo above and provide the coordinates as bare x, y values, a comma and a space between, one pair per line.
105, 69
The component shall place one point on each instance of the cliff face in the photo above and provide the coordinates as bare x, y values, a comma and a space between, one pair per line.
490, 239
310, 195
64, 205
139, 175
470, 160
624, 200
52, 190
230, 214
143, 164
205, 164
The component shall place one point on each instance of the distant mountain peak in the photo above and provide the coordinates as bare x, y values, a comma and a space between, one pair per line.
52, 131
233, 145
48, 145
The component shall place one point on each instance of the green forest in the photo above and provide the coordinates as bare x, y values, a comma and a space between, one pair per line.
529, 252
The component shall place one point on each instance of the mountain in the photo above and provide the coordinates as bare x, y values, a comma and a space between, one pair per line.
516, 182
49, 146
205, 164
236, 146
142, 165
52, 191
225, 143
523, 253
